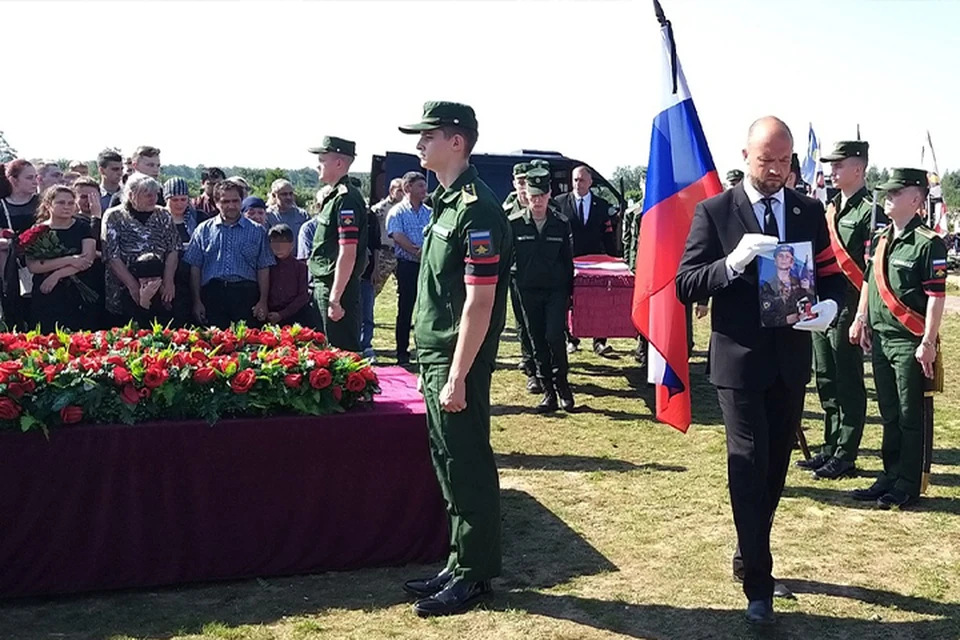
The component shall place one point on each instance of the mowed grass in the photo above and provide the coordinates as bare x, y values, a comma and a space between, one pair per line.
613, 526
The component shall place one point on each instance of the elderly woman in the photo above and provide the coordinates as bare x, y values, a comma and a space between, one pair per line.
282, 207
137, 227
56, 299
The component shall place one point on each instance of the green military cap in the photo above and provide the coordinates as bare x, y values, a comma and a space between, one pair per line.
336, 145
520, 169
901, 178
734, 174
783, 248
540, 164
538, 182
440, 114
847, 149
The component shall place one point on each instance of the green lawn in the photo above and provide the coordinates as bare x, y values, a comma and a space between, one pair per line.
613, 526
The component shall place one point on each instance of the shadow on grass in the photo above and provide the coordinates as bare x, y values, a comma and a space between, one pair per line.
947, 457
539, 552
577, 463
675, 623
843, 499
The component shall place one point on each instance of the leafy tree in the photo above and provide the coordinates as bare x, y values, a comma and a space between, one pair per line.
631, 178
7, 153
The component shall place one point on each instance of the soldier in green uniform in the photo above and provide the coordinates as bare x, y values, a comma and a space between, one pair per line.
630, 236
459, 316
898, 317
543, 274
734, 177
517, 201
339, 253
851, 220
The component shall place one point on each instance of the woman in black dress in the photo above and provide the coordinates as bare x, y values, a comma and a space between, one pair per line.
56, 299
18, 206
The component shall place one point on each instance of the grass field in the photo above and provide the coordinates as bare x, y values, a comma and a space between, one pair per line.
613, 526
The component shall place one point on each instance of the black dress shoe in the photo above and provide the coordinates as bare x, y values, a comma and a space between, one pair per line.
426, 587
458, 596
760, 612
549, 402
872, 493
601, 348
835, 469
533, 385
403, 359
815, 462
896, 498
565, 395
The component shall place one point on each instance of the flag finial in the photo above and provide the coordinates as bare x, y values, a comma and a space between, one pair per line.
665, 24
858, 132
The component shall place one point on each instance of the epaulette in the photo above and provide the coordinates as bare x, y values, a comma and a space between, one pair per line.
927, 232
516, 216
342, 190
508, 206
469, 192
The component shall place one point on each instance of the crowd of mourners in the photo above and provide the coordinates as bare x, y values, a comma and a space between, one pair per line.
80, 252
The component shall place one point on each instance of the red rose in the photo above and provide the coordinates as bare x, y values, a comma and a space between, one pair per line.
356, 382
29, 386
129, 394
154, 377
71, 414
293, 380
243, 381
268, 339
30, 236
368, 374
322, 358
16, 390
115, 360
9, 410
50, 371
306, 334
144, 393
337, 393
320, 378
204, 375
121, 376
289, 361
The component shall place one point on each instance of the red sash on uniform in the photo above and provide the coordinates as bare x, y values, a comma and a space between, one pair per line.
913, 321
847, 264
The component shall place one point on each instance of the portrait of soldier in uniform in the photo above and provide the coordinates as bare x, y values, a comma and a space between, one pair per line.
786, 286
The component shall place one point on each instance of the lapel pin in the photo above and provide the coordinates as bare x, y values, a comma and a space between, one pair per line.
796, 211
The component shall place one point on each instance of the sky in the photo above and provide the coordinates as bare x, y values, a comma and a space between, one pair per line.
253, 83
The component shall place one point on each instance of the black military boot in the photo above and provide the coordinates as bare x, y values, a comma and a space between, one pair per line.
549, 402
565, 394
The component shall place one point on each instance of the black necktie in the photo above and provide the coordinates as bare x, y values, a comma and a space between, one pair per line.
770, 227
583, 220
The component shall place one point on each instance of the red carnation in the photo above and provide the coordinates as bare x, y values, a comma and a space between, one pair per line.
243, 381
121, 376
154, 377
320, 378
293, 380
204, 375
71, 414
129, 394
9, 410
356, 382
337, 393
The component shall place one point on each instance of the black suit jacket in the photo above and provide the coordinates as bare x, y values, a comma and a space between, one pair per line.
743, 355
598, 236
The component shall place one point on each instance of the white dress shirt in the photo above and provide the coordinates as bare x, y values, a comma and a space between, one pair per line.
586, 205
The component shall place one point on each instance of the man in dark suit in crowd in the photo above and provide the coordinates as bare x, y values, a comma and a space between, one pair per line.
591, 220
760, 374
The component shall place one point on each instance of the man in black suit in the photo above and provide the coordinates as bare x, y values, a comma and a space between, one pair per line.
760, 374
591, 221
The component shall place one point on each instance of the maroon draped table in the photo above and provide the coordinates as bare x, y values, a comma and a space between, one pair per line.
107, 507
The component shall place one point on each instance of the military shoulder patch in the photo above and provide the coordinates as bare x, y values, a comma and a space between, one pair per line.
342, 189
347, 217
508, 206
469, 192
939, 268
927, 232
479, 244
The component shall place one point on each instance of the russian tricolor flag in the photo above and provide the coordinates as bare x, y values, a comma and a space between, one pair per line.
680, 174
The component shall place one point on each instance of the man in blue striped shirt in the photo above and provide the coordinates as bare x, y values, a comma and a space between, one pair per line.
230, 261
405, 224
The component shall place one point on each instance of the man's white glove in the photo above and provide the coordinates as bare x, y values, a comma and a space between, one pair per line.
826, 311
751, 245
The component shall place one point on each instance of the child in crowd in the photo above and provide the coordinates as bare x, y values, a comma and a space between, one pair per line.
288, 300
